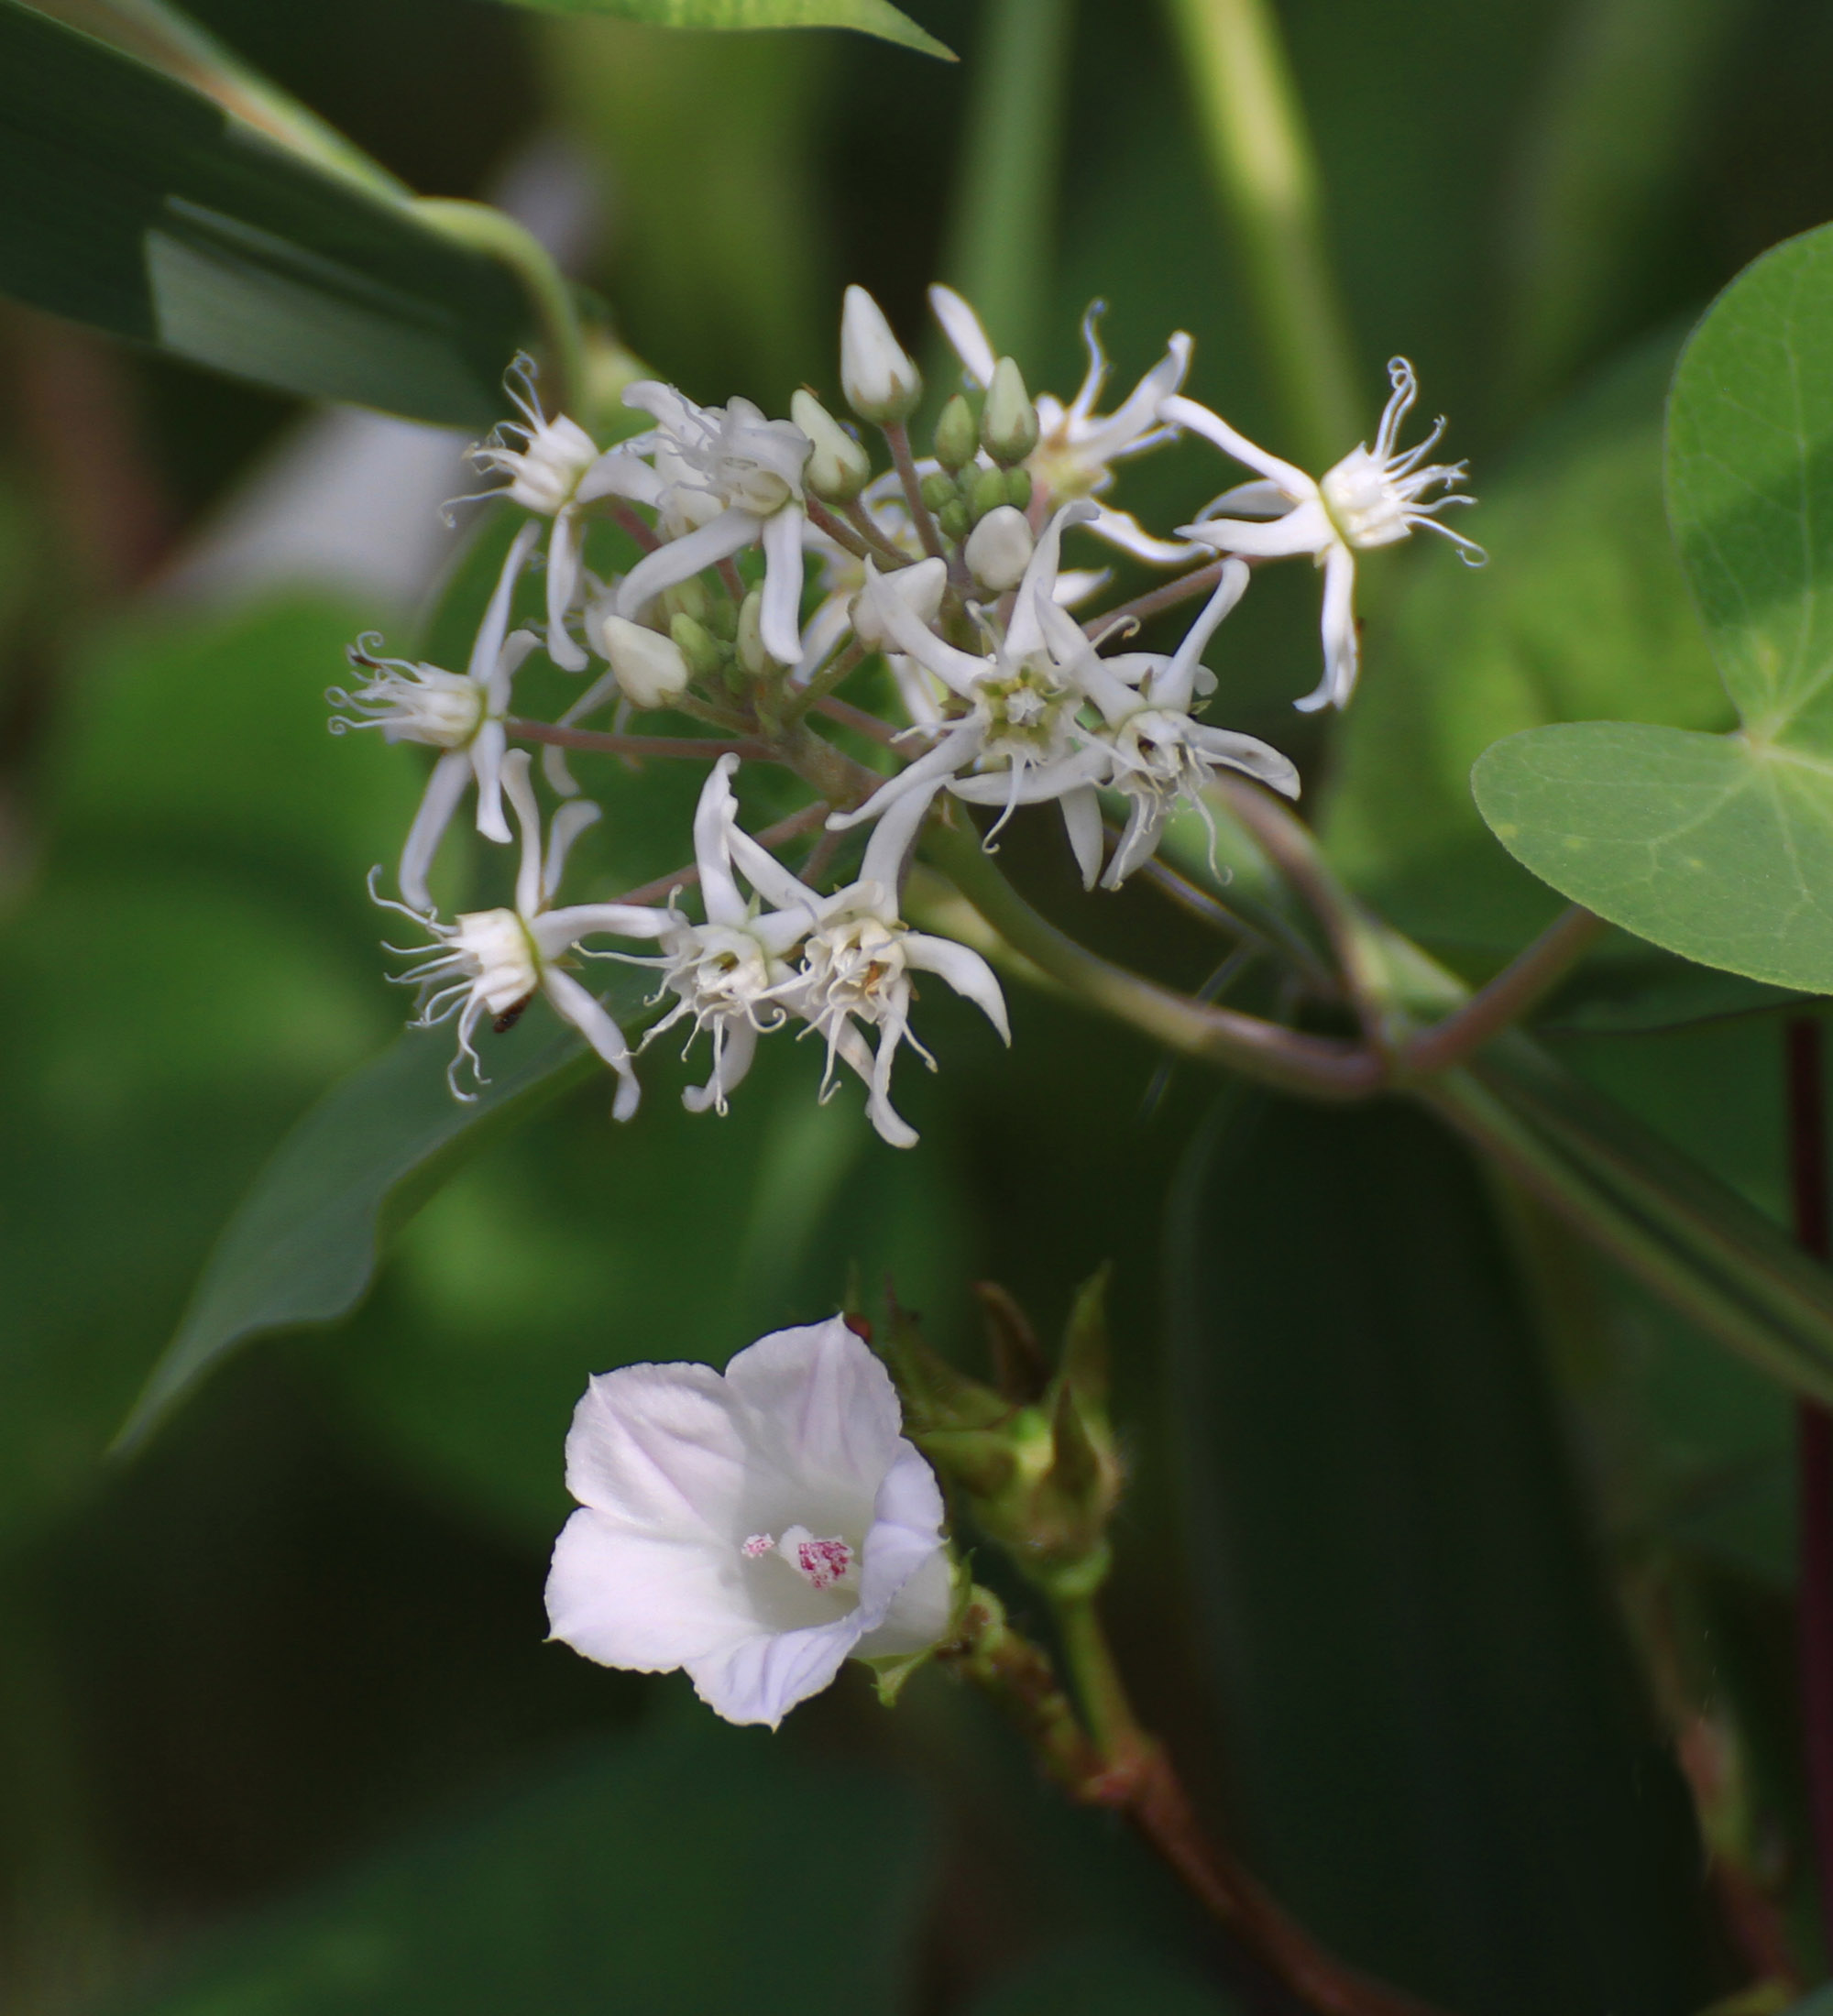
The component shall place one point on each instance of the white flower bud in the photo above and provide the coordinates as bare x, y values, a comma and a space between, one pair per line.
881, 383
1008, 425
651, 669
920, 589
838, 469
999, 549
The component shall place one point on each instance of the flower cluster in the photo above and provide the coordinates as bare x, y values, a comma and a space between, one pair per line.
737, 571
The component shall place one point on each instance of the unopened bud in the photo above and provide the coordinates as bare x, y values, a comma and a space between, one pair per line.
881, 383
986, 494
1008, 424
651, 669
753, 656
920, 588
954, 521
1019, 487
689, 597
697, 645
956, 434
999, 549
839, 469
937, 489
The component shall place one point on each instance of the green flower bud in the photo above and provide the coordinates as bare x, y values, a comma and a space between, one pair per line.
1008, 425
652, 670
697, 645
956, 435
986, 494
753, 656
938, 489
689, 597
1018, 489
839, 469
954, 521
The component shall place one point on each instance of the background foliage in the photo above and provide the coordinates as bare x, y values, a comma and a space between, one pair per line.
1475, 1538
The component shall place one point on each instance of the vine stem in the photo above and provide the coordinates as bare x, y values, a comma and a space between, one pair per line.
1132, 1771
1510, 995
491, 230
797, 824
1814, 1436
897, 438
690, 748
1265, 172
1143, 608
1317, 1066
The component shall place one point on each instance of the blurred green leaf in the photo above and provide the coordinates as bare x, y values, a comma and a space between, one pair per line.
303, 1245
877, 17
1442, 1761
1102, 1980
159, 217
1582, 611
675, 1874
1719, 848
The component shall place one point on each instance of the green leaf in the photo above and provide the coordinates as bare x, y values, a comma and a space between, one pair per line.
1442, 1765
1103, 1978
877, 17
647, 1875
1719, 848
303, 1245
159, 216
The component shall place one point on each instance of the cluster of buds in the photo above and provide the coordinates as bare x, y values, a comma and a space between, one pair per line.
736, 571
1032, 1455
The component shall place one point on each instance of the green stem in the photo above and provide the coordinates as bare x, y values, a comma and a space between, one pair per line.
550, 297
1265, 173
1101, 1693
1000, 245
1316, 1067
1508, 998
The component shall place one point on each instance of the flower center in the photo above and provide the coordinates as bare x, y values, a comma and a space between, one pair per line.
821, 1563
1025, 716
1364, 504
545, 475
855, 969
505, 966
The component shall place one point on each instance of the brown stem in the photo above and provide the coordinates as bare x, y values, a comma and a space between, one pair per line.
1143, 608
858, 719
734, 582
1808, 1184
835, 673
862, 521
1510, 995
899, 439
1276, 938
693, 748
1129, 1772
623, 516
841, 533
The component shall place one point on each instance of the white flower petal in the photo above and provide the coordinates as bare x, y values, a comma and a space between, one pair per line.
659, 1447
967, 337
762, 1678
732, 532
444, 789
1081, 822
919, 1613
563, 582
780, 618
1186, 412
965, 971
819, 1402
645, 1602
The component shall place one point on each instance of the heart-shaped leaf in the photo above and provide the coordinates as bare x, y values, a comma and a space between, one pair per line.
157, 214
1719, 848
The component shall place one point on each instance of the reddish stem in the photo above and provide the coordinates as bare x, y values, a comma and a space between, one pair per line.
692, 748
625, 519
1808, 1181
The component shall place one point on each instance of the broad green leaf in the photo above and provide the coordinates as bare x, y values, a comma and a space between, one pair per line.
303, 1245
159, 217
877, 17
1444, 1767
646, 1875
1720, 847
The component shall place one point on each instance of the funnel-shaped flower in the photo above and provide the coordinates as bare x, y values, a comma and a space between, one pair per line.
755, 1528
1374, 497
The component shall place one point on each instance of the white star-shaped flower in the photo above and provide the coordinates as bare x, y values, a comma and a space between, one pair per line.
719, 478
460, 714
493, 962
1374, 497
755, 1528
